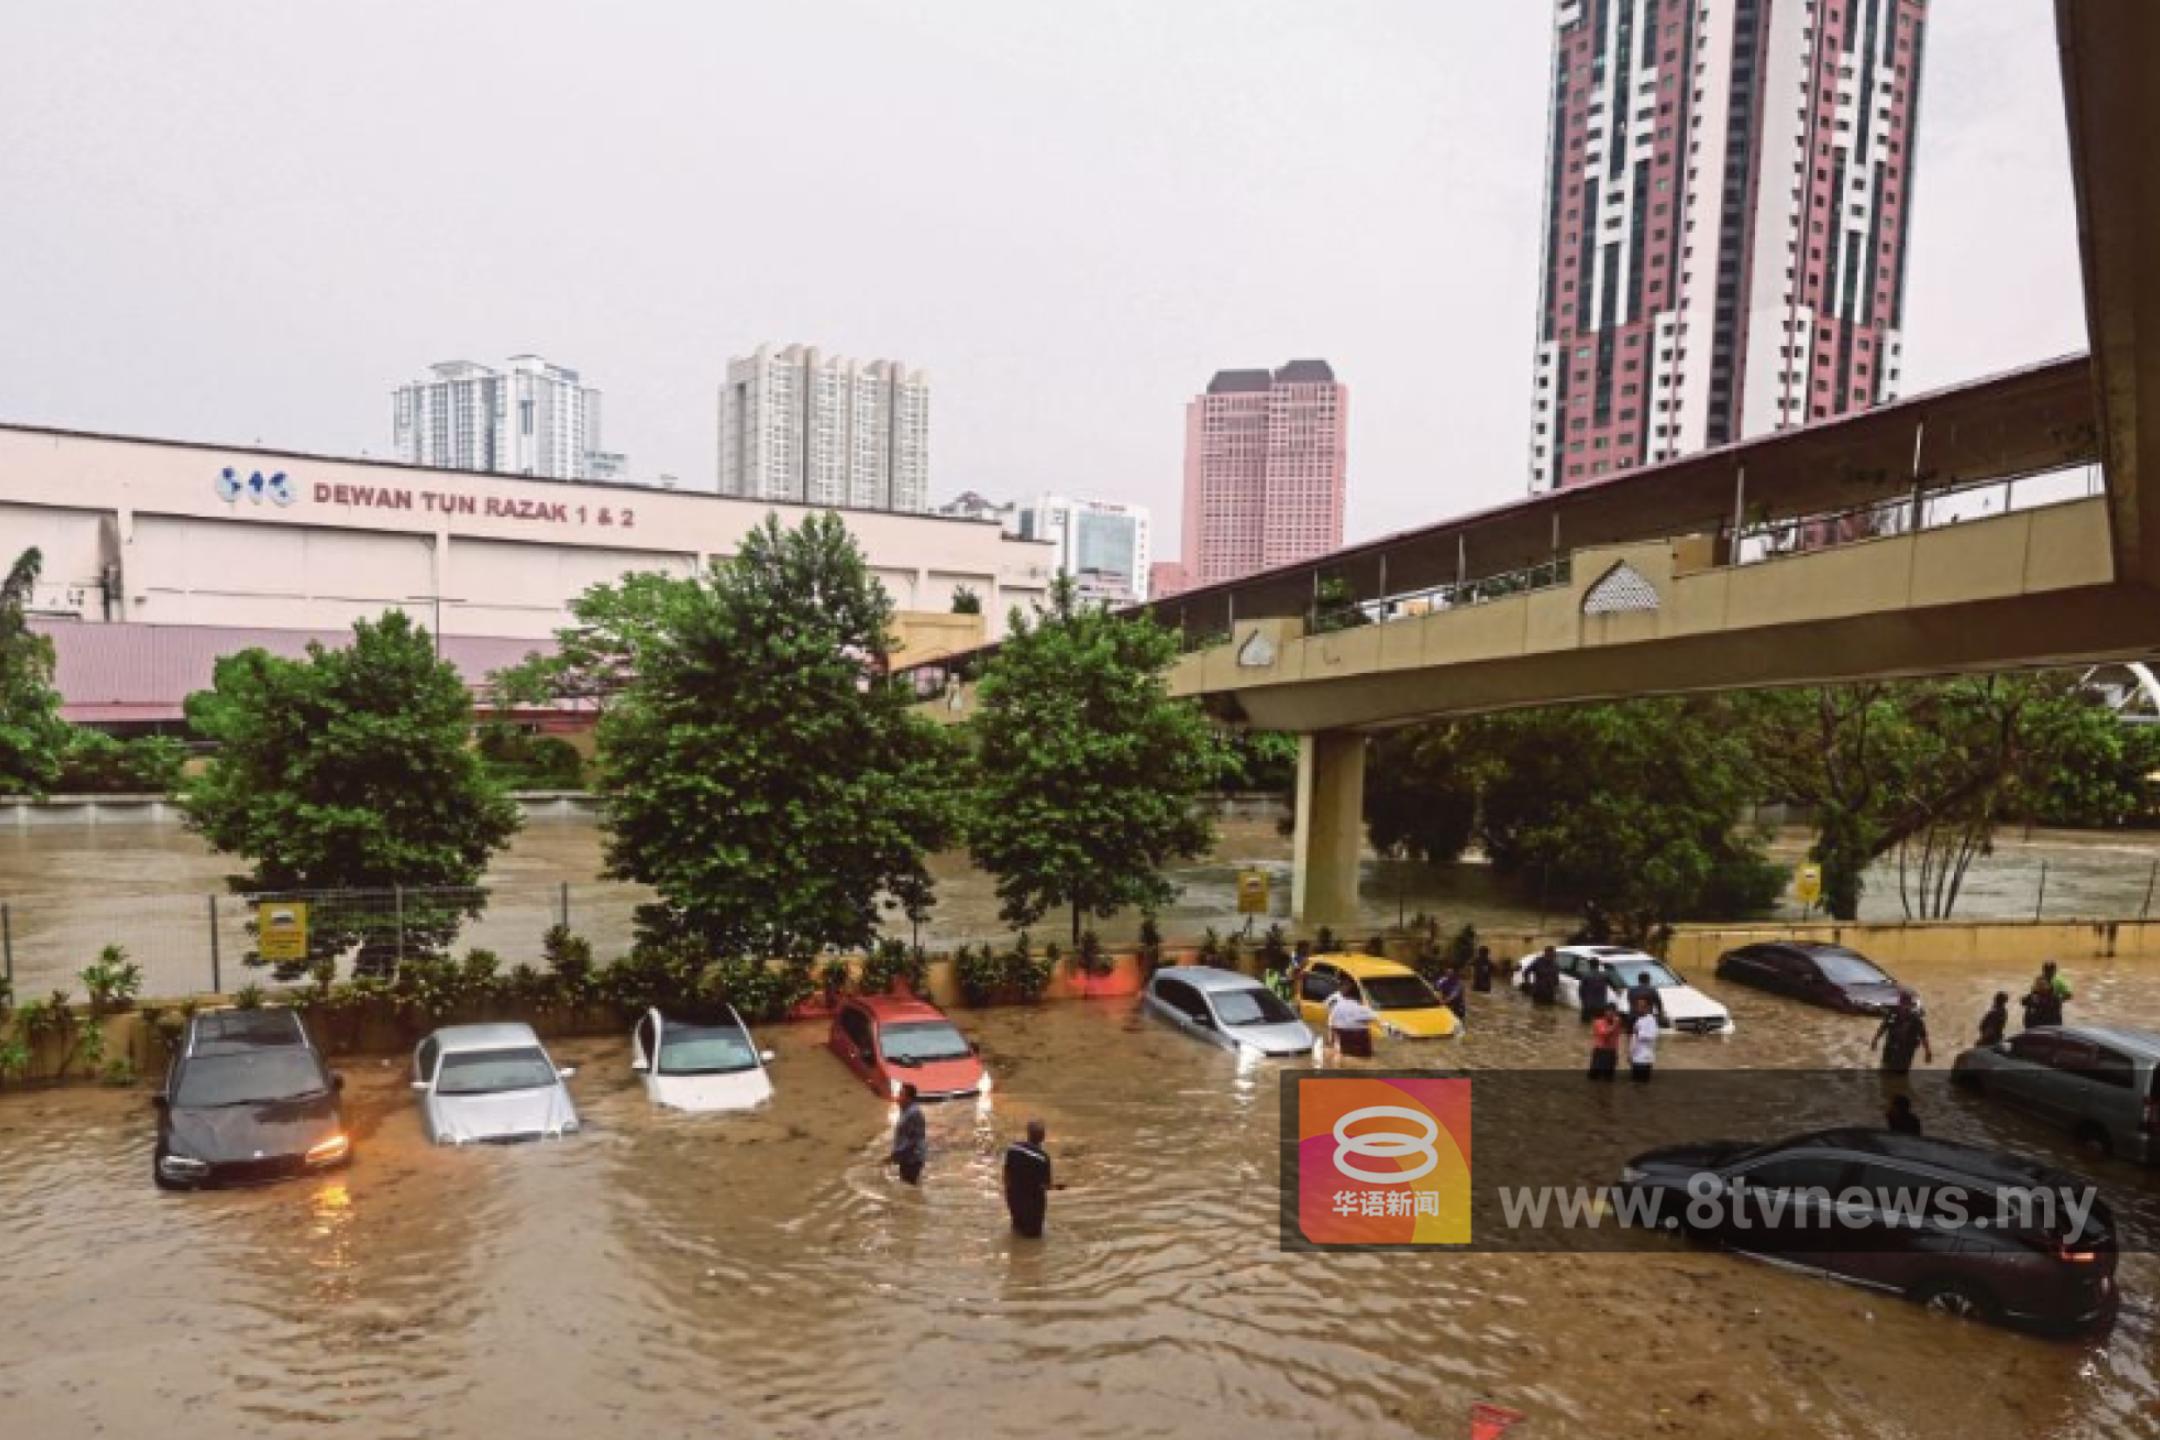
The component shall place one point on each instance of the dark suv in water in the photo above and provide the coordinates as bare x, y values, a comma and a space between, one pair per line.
248, 1100
1963, 1230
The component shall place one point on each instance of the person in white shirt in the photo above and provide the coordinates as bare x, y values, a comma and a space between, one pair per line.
1350, 1020
1642, 1041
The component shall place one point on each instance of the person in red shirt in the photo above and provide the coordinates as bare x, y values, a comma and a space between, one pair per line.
1605, 1044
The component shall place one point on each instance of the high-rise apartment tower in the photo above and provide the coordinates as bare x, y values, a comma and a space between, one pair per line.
802, 426
1266, 456
1728, 192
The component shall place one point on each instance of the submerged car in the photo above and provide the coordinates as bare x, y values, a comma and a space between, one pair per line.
490, 1083
248, 1100
1687, 1009
2101, 1084
1228, 1009
1409, 1008
700, 1067
895, 1040
1821, 974
1963, 1230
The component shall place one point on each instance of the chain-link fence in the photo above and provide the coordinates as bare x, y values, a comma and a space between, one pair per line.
199, 943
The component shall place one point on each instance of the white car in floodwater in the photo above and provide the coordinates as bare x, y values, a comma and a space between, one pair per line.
700, 1068
1687, 1010
490, 1084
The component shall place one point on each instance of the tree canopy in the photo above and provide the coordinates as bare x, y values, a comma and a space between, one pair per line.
1087, 777
349, 770
33, 737
759, 772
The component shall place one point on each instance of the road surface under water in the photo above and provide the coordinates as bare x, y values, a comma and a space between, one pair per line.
764, 1276
73, 889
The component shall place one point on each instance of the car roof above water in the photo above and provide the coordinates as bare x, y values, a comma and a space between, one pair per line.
1212, 978
455, 1039
231, 1032
2143, 1043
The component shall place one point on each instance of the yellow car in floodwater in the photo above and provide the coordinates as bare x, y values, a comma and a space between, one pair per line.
1409, 1008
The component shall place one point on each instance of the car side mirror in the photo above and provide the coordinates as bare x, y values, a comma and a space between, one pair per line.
974, 1047
566, 1073
1205, 1022
639, 1067
766, 1057
337, 1080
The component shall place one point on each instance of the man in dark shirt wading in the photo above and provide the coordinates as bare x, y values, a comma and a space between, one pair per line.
1027, 1182
910, 1138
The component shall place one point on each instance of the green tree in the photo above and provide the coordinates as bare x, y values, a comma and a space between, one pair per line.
758, 771
95, 763
1421, 790
965, 601
1260, 761
350, 770
32, 734
1632, 806
1928, 771
596, 658
1087, 777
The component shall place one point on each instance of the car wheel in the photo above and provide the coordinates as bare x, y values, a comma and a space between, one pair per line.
1958, 1299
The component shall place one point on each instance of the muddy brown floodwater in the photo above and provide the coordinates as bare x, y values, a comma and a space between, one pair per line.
762, 1276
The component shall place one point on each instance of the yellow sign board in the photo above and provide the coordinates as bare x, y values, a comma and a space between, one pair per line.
281, 931
1807, 883
1252, 892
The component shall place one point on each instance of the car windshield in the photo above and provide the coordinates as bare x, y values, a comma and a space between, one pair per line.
922, 1040
1251, 1007
250, 1077
705, 1050
1396, 992
1847, 968
487, 1072
1632, 972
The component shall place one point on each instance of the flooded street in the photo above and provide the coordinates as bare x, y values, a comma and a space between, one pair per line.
72, 889
762, 1275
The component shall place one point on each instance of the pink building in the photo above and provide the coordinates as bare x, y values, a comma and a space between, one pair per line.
1728, 189
1265, 462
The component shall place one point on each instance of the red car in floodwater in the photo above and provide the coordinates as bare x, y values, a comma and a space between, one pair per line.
895, 1040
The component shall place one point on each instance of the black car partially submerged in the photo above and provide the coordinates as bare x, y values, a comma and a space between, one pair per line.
1827, 975
1961, 1229
248, 1100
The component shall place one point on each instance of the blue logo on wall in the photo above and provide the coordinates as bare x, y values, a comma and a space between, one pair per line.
258, 487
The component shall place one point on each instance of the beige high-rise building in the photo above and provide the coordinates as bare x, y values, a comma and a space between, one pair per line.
799, 425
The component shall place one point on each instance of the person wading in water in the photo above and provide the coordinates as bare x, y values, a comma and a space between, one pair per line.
1027, 1182
910, 1138
1901, 1033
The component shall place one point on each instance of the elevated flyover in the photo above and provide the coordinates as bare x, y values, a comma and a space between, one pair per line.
2012, 522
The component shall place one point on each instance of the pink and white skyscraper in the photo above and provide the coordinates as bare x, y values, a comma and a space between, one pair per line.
1265, 467
1728, 187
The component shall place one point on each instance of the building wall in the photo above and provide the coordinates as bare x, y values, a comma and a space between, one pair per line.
1727, 186
135, 530
800, 425
1266, 461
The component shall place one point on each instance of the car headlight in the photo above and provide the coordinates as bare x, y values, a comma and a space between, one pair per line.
987, 1082
337, 1147
180, 1167
1632, 1174
1389, 1027
568, 1127
893, 1088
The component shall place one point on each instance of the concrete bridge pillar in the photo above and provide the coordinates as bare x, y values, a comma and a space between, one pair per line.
1330, 828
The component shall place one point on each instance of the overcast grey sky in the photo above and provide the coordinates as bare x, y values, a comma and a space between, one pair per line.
229, 220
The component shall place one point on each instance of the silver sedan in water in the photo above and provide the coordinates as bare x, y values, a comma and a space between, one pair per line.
490, 1083
1228, 1009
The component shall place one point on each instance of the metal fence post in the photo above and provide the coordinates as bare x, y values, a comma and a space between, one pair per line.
566, 904
2144, 911
2041, 899
398, 894
217, 978
7, 943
